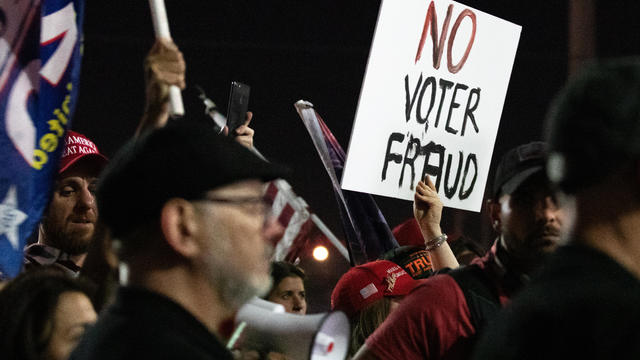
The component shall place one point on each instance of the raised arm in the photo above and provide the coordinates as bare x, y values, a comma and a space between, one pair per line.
427, 209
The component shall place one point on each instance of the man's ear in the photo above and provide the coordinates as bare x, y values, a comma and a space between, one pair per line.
493, 209
178, 221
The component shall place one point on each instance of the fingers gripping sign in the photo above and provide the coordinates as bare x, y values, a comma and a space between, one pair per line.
427, 208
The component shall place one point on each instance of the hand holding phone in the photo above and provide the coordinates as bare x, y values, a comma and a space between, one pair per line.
238, 106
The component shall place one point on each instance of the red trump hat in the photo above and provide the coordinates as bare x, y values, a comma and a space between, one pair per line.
76, 147
364, 284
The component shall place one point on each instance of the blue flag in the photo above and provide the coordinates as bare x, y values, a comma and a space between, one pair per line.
368, 234
40, 56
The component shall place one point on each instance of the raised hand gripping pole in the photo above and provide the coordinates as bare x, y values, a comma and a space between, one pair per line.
161, 28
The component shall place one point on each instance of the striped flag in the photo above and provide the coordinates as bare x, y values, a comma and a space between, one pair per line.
40, 44
368, 234
302, 227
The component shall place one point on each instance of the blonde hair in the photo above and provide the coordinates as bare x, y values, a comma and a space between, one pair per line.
366, 321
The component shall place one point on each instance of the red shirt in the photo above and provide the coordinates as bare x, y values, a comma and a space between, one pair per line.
433, 321
428, 324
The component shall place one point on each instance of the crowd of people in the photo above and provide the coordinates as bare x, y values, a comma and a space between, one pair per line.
163, 275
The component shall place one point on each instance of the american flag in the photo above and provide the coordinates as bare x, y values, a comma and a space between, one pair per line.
302, 227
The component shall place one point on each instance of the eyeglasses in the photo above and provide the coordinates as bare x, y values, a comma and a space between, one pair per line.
255, 205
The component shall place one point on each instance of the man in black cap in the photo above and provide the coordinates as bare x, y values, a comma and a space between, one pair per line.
441, 318
584, 305
186, 208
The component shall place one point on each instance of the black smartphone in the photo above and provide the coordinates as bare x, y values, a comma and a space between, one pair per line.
238, 105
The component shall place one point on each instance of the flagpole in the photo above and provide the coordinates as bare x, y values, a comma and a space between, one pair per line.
332, 238
161, 28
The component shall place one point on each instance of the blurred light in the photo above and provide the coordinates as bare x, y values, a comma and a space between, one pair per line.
320, 253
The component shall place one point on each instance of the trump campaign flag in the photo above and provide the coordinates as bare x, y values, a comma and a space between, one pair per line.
368, 234
40, 58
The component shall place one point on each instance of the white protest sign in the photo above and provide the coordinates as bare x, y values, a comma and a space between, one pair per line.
431, 101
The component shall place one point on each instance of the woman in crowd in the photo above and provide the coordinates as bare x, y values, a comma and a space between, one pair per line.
43, 315
288, 287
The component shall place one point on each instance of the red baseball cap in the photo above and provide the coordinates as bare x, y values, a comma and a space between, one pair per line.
364, 284
76, 147
408, 233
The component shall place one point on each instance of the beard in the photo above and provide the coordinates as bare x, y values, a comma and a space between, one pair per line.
69, 242
234, 284
528, 253
235, 293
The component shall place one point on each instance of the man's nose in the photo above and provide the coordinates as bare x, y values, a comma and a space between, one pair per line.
86, 198
548, 209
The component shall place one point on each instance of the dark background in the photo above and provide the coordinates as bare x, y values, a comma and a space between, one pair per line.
317, 51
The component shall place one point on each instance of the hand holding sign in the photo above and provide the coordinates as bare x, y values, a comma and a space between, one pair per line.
427, 209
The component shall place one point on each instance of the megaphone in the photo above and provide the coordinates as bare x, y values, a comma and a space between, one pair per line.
264, 326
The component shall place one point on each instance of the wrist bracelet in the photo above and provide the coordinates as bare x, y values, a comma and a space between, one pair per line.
435, 242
